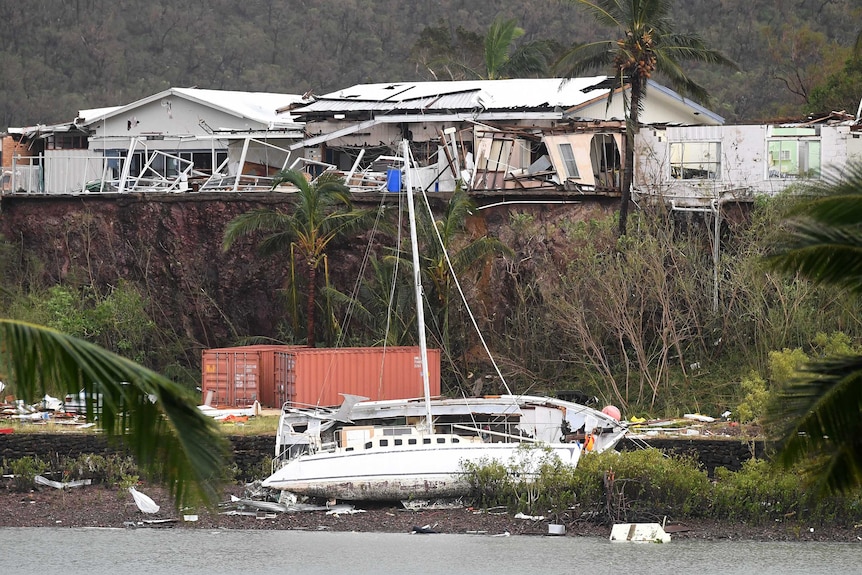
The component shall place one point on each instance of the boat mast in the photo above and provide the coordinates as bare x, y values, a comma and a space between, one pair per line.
417, 284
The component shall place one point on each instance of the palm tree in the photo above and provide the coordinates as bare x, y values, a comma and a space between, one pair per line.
322, 212
502, 61
820, 413
156, 418
445, 244
502, 55
647, 44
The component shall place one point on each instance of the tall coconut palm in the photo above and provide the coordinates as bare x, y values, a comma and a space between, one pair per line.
155, 418
322, 212
647, 44
820, 415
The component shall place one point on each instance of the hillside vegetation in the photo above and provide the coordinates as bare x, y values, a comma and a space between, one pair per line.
57, 57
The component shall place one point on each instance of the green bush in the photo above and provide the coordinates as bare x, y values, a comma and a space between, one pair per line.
647, 485
25, 470
762, 492
110, 469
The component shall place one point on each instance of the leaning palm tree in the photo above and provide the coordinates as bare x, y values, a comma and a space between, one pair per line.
820, 414
322, 212
156, 418
647, 44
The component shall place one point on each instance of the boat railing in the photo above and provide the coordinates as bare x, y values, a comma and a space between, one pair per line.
486, 434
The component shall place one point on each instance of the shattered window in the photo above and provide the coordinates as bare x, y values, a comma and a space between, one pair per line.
793, 158
568, 156
695, 160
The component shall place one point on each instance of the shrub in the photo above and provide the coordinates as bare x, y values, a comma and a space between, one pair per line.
25, 470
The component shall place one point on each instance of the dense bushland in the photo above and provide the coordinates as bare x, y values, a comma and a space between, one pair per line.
653, 322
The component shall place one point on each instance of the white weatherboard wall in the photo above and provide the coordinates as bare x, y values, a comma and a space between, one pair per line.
744, 160
175, 119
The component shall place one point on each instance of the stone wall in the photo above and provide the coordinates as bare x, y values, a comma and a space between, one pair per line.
251, 452
710, 453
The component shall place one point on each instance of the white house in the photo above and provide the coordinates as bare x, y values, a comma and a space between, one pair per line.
165, 142
522, 134
696, 166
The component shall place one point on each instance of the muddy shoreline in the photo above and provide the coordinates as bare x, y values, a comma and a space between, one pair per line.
99, 506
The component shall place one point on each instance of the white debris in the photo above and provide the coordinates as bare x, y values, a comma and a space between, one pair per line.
41, 480
699, 417
639, 533
144, 503
529, 517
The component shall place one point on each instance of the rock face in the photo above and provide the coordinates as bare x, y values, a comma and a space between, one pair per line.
171, 246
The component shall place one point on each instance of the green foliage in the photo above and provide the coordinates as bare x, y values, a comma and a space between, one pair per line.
156, 418
764, 492
784, 365
755, 398
117, 320
127, 481
840, 91
818, 413
107, 469
323, 211
646, 485
534, 481
25, 470
757, 493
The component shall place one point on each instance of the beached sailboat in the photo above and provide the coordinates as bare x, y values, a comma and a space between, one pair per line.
418, 448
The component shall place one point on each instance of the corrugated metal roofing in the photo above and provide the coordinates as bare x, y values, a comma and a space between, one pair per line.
515, 94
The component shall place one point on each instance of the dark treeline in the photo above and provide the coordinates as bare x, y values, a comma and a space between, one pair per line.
57, 57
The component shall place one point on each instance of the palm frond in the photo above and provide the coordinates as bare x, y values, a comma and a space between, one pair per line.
606, 12
823, 253
477, 251
498, 41
157, 419
819, 414
253, 222
824, 237
586, 58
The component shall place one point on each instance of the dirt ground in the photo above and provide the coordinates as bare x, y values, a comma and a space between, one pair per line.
98, 506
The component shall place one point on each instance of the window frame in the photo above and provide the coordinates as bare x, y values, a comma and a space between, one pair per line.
679, 164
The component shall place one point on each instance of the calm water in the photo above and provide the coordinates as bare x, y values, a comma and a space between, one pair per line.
189, 551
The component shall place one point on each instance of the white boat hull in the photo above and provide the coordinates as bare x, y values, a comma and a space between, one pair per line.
419, 472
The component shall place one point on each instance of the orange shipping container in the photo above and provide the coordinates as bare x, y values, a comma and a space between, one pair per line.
239, 376
314, 376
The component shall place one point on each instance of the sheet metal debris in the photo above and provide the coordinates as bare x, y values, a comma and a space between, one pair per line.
42, 480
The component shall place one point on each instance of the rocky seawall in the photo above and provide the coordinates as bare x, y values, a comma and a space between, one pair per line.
249, 451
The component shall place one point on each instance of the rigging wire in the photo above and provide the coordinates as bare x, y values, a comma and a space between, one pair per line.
461, 293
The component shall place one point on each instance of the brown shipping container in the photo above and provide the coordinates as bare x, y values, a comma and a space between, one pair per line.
273, 374
239, 376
